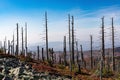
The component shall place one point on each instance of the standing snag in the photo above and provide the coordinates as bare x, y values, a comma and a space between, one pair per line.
13, 45
17, 46
73, 60
113, 50
42, 54
22, 42
91, 51
103, 41
69, 31
46, 36
65, 62
26, 39
38, 53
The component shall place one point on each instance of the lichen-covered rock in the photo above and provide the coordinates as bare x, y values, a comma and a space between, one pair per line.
13, 69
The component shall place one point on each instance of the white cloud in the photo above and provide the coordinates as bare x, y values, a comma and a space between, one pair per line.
86, 23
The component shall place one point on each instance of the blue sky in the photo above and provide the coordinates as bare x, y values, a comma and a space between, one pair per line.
24, 6
87, 15
56, 4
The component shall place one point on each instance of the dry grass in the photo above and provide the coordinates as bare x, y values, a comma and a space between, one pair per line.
57, 69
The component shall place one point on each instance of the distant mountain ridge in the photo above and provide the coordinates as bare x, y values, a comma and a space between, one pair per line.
117, 49
58, 46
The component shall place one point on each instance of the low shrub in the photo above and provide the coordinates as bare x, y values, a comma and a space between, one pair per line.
106, 73
61, 66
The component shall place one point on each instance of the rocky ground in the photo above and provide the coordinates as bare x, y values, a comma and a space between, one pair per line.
14, 69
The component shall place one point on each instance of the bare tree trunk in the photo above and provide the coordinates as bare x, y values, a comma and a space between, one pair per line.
55, 58
52, 53
13, 45
65, 62
11, 48
91, 51
46, 35
26, 39
42, 54
82, 57
1, 44
101, 67
102, 61
8, 46
60, 59
73, 60
78, 61
103, 42
113, 51
108, 62
17, 51
34, 56
22, 41
69, 30
5, 45
77, 56
38, 52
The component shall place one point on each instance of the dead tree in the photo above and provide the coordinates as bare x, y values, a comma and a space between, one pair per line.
91, 51
103, 41
22, 41
13, 45
8, 46
108, 61
38, 53
26, 39
102, 61
65, 62
42, 54
11, 48
52, 53
77, 56
55, 58
17, 47
73, 60
69, 30
34, 55
101, 66
1, 44
113, 51
5, 45
60, 61
82, 57
46, 35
